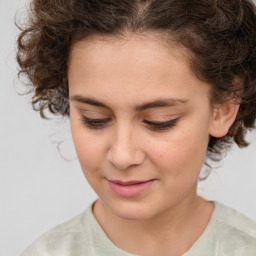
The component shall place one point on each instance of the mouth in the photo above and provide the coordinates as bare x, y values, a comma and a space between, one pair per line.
129, 188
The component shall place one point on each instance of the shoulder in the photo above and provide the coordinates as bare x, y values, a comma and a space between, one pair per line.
63, 239
233, 231
233, 220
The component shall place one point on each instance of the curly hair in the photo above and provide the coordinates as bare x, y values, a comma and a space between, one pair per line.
220, 36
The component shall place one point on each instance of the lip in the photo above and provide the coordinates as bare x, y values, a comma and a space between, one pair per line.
129, 188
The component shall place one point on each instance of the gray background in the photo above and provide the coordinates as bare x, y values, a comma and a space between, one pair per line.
38, 189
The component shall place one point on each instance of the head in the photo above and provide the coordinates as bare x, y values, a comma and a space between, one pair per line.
200, 53
219, 37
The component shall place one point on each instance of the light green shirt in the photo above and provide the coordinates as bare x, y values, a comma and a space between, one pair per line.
228, 233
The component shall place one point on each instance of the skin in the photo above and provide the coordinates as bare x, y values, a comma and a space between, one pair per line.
124, 74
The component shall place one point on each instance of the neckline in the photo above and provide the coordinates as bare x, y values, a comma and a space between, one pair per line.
206, 232
101, 237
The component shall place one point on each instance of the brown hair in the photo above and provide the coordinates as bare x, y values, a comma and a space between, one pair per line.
220, 36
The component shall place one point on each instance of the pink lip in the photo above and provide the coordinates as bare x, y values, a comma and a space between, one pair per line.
129, 188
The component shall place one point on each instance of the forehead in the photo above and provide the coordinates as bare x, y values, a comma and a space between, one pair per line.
151, 45
143, 64
144, 47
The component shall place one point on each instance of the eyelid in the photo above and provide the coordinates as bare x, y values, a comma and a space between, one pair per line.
100, 123
161, 126
93, 114
154, 122
160, 118
94, 123
96, 120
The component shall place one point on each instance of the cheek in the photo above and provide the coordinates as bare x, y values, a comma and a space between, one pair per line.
90, 157
88, 147
180, 154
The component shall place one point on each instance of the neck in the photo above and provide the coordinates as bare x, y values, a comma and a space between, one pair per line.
163, 233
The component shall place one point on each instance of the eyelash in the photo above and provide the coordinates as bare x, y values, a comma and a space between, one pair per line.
102, 123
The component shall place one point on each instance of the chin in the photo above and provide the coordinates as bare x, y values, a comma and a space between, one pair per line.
132, 211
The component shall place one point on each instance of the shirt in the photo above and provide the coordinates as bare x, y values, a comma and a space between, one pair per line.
228, 233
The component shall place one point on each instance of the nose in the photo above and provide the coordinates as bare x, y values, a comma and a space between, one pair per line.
125, 151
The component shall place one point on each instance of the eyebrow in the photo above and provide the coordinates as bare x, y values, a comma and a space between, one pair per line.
153, 104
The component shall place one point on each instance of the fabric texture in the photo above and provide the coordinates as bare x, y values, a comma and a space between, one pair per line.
228, 233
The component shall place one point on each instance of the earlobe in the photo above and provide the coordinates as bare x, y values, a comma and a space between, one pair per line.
223, 117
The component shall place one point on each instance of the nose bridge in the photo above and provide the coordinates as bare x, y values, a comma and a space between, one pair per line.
124, 135
125, 150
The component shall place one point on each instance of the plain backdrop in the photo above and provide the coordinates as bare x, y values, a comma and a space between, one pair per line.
39, 189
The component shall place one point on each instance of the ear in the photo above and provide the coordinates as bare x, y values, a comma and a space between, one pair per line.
223, 117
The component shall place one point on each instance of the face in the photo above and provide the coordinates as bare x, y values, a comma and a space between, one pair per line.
140, 121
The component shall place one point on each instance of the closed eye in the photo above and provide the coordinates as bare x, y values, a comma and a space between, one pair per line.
161, 125
95, 123
152, 125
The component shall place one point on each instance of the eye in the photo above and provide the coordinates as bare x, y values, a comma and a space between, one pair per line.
161, 126
153, 125
94, 123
